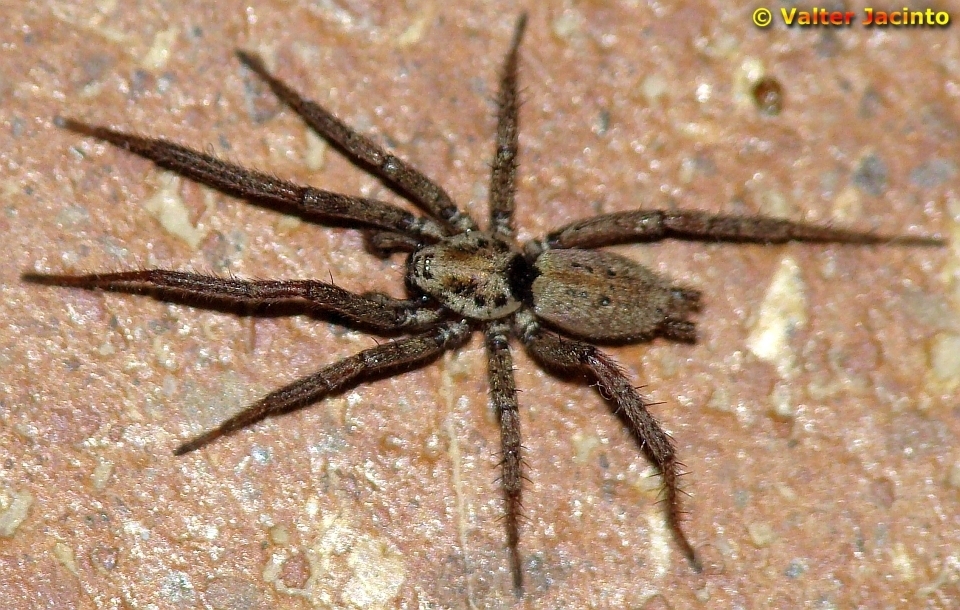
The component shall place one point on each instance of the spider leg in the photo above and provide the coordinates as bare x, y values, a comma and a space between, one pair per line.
263, 188
571, 355
503, 176
503, 394
337, 377
385, 243
374, 310
365, 152
654, 225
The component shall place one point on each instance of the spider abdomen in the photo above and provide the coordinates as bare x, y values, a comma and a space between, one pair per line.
470, 273
604, 296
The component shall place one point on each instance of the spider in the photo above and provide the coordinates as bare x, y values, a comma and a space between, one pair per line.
557, 296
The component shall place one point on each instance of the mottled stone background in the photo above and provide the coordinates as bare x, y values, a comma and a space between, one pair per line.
818, 415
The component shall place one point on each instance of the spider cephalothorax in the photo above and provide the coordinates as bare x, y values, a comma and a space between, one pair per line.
554, 295
473, 274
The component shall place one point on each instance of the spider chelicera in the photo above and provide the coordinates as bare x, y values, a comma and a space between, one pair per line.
555, 295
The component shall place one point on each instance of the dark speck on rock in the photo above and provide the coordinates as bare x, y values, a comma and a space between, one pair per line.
94, 67
933, 173
871, 175
602, 123
224, 250
261, 107
163, 83
16, 127
869, 103
828, 44
139, 82
795, 569
768, 95
939, 122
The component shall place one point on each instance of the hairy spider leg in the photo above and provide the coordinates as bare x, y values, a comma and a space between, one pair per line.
257, 187
373, 310
363, 151
561, 353
407, 352
503, 390
503, 395
655, 225
503, 176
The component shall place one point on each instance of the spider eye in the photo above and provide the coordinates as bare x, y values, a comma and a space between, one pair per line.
426, 262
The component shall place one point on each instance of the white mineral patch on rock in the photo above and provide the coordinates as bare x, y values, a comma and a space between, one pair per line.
782, 312
15, 514
168, 208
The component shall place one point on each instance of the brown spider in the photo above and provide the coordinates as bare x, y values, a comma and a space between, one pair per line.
555, 295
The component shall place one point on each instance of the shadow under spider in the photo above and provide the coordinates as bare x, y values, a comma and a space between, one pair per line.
556, 296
